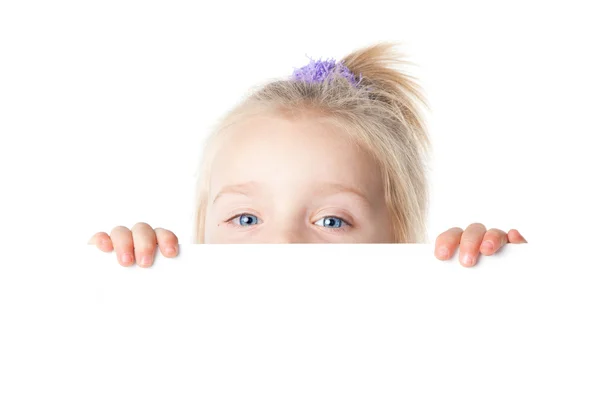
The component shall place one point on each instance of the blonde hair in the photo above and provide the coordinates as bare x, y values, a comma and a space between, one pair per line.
381, 114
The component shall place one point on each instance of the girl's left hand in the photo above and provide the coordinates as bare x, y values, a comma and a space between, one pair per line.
471, 242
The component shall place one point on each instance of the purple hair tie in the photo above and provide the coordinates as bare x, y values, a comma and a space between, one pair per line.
319, 71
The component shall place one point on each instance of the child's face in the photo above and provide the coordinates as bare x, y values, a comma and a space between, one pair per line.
294, 182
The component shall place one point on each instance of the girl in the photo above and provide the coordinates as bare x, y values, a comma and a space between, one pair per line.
334, 154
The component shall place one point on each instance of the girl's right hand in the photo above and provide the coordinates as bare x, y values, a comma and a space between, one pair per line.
141, 239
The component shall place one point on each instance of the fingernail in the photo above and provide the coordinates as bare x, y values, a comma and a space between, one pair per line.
170, 250
488, 245
146, 260
126, 258
467, 259
442, 252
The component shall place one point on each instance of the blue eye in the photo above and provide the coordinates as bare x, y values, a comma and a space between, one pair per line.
332, 222
245, 219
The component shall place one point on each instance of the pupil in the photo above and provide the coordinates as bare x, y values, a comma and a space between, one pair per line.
246, 219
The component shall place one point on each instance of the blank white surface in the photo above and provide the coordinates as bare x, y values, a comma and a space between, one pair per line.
302, 321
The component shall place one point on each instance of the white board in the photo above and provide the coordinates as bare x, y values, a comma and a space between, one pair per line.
300, 322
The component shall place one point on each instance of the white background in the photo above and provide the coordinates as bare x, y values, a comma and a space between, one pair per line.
103, 105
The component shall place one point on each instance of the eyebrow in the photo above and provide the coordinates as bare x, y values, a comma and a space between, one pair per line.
323, 187
240, 188
333, 187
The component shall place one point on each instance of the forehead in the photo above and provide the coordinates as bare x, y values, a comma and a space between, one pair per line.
277, 150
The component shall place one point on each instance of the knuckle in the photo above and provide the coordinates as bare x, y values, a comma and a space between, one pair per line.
140, 226
476, 225
453, 231
118, 229
494, 234
449, 234
515, 232
453, 235
165, 236
102, 236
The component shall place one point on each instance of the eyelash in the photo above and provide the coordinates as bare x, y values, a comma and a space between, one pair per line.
230, 220
344, 227
345, 224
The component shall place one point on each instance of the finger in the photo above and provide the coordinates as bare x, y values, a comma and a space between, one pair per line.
470, 242
144, 244
515, 237
447, 242
493, 240
102, 241
123, 243
167, 242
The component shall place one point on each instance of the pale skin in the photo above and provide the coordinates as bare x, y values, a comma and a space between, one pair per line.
328, 192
